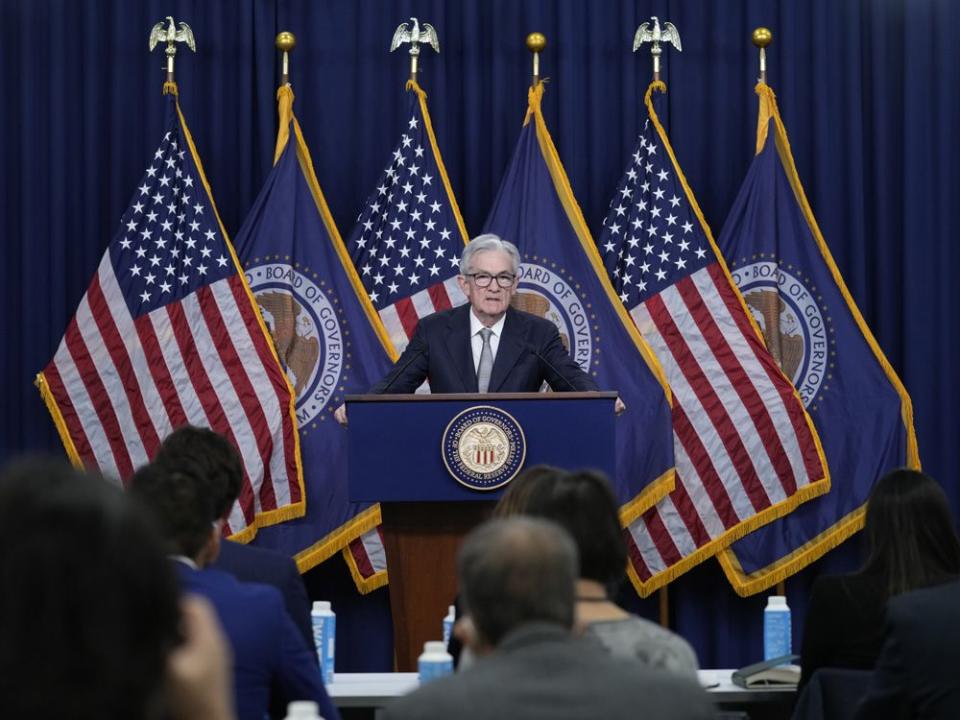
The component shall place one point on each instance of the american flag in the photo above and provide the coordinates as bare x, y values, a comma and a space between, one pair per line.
168, 334
745, 451
409, 237
406, 247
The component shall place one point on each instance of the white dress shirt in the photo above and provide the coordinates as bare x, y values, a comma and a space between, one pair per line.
476, 341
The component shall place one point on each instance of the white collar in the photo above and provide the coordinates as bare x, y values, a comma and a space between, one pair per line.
476, 326
189, 562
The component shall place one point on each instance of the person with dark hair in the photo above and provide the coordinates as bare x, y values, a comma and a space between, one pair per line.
583, 504
917, 673
89, 615
912, 543
517, 578
218, 464
272, 662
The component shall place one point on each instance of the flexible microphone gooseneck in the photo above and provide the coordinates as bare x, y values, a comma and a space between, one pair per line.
400, 372
549, 364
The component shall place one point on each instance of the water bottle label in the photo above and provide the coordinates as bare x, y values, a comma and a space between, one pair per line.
776, 635
430, 670
447, 630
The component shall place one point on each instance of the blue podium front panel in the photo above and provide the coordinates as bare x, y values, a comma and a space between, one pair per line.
431, 448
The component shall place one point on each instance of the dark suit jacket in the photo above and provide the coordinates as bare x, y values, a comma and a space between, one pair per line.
844, 624
268, 650
541, 671
918, 673
255, 564
440, 352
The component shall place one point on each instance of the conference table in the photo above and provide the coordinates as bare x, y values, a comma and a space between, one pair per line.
373, 691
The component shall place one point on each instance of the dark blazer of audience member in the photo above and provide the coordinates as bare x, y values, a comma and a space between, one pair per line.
583, 504
271, 660
88, 601
218, 461
517, 578
911, 543
918, 673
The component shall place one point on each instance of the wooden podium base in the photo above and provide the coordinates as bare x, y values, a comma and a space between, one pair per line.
422, 540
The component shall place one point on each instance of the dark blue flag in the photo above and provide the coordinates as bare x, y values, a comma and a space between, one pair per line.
563, 279
326, 333
813, 328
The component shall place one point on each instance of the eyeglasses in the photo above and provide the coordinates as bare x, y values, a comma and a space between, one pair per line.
483, 280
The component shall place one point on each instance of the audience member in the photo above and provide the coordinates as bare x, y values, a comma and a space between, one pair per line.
221, 467
270, 655
911, 544
583, 504
89, 615
517, 577
918, 673
512, 502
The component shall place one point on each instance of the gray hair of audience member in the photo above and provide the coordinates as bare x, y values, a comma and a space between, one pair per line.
486, 243
517, 570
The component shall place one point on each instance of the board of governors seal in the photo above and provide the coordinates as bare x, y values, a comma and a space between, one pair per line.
483, 448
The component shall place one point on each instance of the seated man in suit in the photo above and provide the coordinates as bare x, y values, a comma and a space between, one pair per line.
517, 580
221, 468
918, 672
270, 657
485, 345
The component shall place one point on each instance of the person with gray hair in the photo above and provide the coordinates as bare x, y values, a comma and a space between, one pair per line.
484, 345
517, 577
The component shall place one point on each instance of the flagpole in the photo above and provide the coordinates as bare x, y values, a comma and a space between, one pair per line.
761, 38
417, 35
652, 33
171, 36
536, 42
285, 43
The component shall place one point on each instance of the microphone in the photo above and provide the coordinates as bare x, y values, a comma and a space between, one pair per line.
398, 373
550, 365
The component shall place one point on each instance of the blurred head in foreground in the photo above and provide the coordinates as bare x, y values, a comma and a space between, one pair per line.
88, 608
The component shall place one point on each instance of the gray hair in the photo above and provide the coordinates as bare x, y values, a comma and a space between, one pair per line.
486, 243
517, 570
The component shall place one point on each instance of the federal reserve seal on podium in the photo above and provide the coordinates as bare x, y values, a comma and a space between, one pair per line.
483, 447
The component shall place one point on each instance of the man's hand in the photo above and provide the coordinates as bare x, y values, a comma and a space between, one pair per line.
340, 414
618, 407
199, 672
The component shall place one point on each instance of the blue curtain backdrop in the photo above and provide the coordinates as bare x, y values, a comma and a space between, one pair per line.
869, 90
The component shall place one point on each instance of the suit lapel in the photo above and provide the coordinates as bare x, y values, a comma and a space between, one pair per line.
458, 345
510, 350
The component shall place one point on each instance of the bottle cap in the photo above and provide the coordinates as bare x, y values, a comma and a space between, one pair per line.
321, 606
777, 601
452, 610
303, 710
434, 647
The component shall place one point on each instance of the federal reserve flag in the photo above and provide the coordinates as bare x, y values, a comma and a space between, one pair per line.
168, 334
745, 451
406, 248
811, 324
562, 279
327, 335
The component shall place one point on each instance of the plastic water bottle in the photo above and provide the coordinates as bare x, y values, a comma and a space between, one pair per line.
303, 710
448, 625
776, 628
324, 637
435, 662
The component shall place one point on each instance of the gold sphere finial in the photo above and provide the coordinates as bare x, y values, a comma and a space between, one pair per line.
286, 41
536, 42
762, 37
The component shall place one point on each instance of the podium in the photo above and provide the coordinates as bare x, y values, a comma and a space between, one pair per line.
396, 457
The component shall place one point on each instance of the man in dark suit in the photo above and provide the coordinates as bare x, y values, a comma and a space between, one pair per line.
918, 672
272, 663
219, 463
517, 577
485, 345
